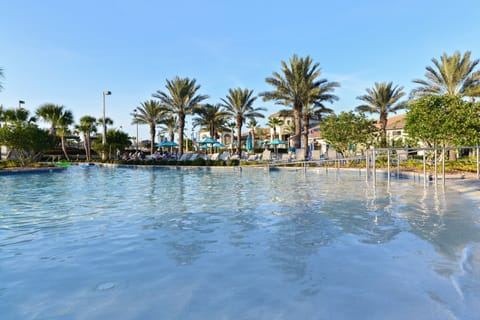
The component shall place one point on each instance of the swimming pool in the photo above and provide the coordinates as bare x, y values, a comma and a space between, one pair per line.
118, 243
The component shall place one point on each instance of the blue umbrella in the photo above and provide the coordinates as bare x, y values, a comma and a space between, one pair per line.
167, 144
275, 142
207, 140
218, 145
249, 145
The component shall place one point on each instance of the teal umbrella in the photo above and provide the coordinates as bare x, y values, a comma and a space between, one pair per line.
167, 144
207, 140
275, 142
249, 145
218, 145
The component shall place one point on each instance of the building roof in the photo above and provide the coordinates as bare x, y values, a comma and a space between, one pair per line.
396, 122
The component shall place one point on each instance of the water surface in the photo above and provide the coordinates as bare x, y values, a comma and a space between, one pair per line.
106, 243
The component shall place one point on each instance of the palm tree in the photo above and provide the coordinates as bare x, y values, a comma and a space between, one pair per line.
252, 125
180, 99
383, 99
211, 117
149, 112
231, 125
18, 115
65, 121
299, 86
169, 126
239, 105
274, 123
87, 126
51, 113
452, 75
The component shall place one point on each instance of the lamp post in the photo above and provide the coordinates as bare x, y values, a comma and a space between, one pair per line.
104, 135
136, 121
20, 102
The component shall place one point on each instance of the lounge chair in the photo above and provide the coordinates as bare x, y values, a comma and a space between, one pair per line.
214, 156
185, 156
193, 156
224, 156
252, 157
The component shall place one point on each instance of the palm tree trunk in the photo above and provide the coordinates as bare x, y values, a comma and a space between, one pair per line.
253, 139
239, 137
152, 137
306, 121
64, 149
181, 126
86, 145
297, 112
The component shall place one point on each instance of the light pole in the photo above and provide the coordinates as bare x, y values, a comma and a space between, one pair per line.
20, 102
104, 135
136, 121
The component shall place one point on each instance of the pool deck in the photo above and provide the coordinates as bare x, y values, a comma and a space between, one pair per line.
16, 171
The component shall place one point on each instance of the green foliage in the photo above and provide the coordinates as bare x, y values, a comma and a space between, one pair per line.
233, 162
116, 140
452, 75
26, 141
443, 120
198, 162
346, 129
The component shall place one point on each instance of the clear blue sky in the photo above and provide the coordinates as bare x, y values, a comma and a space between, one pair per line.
68, 52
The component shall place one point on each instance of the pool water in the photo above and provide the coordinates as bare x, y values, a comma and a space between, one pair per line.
122, 243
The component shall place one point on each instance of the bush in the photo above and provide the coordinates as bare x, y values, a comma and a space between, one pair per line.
198, 162
233, 162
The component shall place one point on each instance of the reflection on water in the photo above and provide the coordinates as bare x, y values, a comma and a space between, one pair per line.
284, 245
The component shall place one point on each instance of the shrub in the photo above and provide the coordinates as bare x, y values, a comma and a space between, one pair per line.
233, 162
198, 162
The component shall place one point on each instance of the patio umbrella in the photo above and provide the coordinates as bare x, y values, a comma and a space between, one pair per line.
249, 145
275, 142
218, 145
208, 140
167, 144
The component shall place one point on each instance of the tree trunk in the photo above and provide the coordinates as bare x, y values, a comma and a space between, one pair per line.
181, 127
383, 126
62, 139
297, 113
305, 135
253, 139
239, 137
86, 142
152, 137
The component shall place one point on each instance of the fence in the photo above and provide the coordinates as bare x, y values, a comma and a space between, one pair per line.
391, 158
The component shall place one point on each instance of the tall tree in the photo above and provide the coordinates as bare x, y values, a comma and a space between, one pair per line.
87, 126
273, 123
452, 75
443, 120
314, 111
210, 117
180, 99
51, 113
151, 113
252, 125
382, 100
346, 129
299, 86
239, 105
169, 126
65, 121
59, 119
